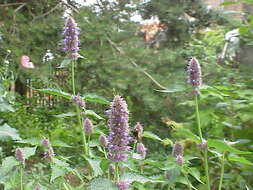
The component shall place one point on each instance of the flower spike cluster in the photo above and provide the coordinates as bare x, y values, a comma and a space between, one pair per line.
118, 138
71, 41
177, 152
194, 74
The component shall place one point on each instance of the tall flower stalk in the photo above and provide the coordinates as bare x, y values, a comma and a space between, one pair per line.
222, 170
195, 79
118, 138
71, 47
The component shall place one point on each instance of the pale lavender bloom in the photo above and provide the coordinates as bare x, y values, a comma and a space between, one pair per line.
123, 185
194, 74
71, 41
178, 149
45, 142
141, 149
103, 140
37, 188
20, 155
139, 129
78, 100
180, 160
118, 138
87, 126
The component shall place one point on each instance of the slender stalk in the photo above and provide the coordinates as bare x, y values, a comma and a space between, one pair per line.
117, 171
201, 139
77, 108
88, 144
21, 177
104, 151
188, 181
222, 170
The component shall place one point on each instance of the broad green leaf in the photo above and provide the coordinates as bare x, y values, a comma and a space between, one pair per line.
228, 3
167, 141
195, 173
57, 172
5, 107
93, 114
64, 63
151, 135
63, 115
175, 89
55, 92
60, 163
239, 159
102, 184
6, 133
95, 165
31, 141
29, 151
224, 146
7, 164
59, 143
187, 133
131, 177
95, 98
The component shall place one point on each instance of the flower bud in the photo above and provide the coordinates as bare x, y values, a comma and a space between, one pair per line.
20, 155
141, 149
180, 160
103, 140
203, 145
78, 100
37, 188
178, 149
138, 128
87, 126
123, 185
45, 142
194, 74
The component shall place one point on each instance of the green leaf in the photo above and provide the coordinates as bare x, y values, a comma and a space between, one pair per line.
175, 89
29, 151
228, 3
167, 142
5, 107
31, 141
63, 115
95, 165
102, 184
187, 133
64, 63
8, 164
55, 92
224, 146
95, 98
93, 114
57, 172
195, 173
60, 163
131, 177
59, 143
6, 133
239, 159
151, 135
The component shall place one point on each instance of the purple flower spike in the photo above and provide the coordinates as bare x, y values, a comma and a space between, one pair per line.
87, 126
141, 149
103, 141
20, 155
194, 74
118, 138
178, 149
78, 100
123, 185
71, 41
180, 160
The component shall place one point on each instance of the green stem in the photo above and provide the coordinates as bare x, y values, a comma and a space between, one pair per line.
82, 130
73, 77
117, 171
222, 170
201, 139
188, 181
21, 177
104, 151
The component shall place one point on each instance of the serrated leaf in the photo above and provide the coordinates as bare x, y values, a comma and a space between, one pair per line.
57, 172
224, 147
102, 184
60, 163
187, 133
95, 165
239, 159
93, 114
131, 177
167, 142
151, 135
5, 107
7, 164
31, 141
6, 133
55, 92
95, 98
59, 143
29, 151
